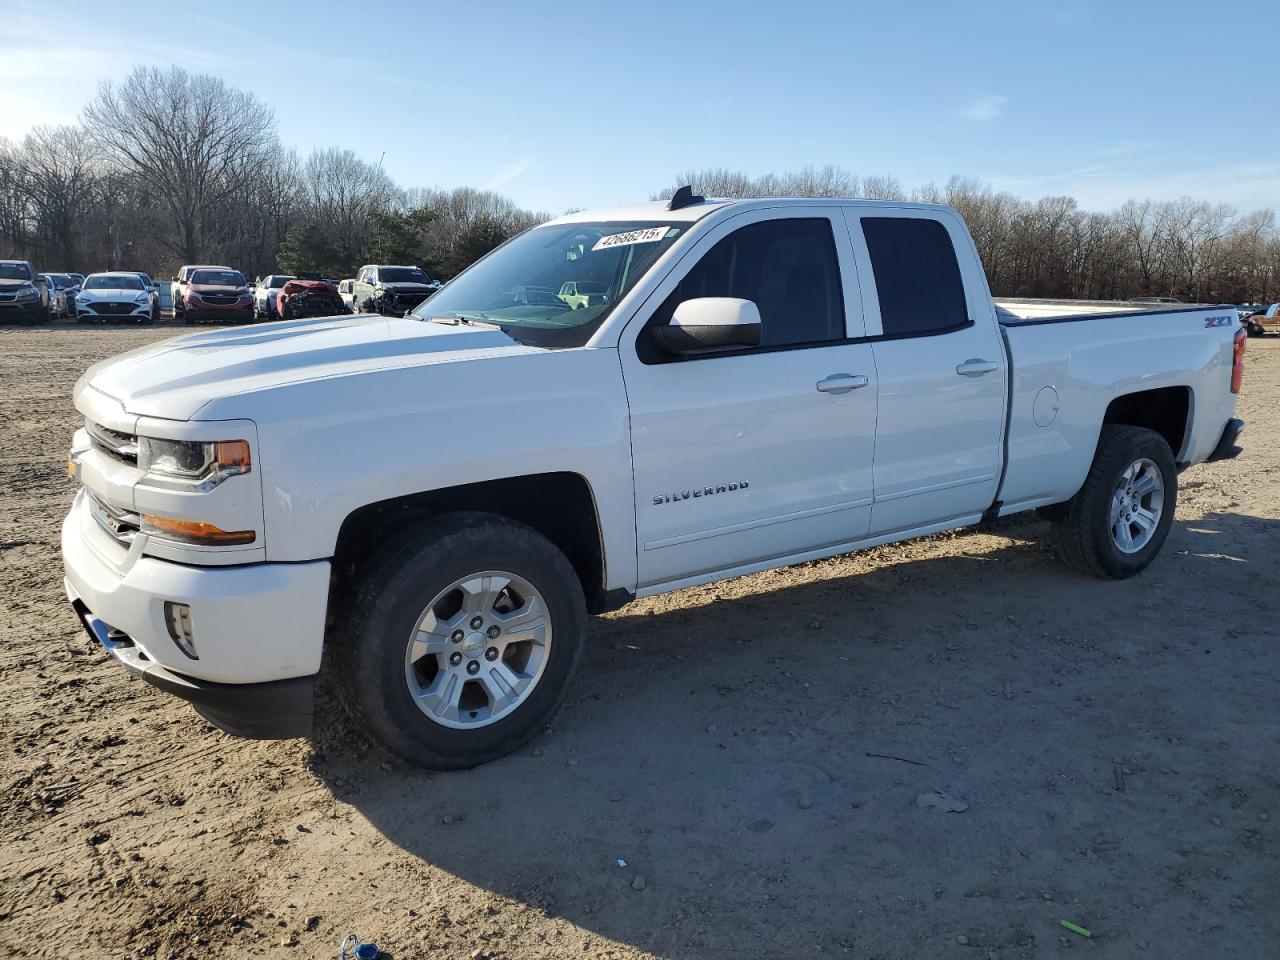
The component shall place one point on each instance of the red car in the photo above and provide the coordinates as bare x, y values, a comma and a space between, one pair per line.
219, 295
309, 298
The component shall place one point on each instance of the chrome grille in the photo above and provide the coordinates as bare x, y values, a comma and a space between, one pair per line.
121, 525
119, 446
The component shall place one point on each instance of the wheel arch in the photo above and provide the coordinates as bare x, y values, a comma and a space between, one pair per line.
561, 506
1166, 410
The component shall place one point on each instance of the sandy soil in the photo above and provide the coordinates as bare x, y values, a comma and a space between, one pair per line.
753, 751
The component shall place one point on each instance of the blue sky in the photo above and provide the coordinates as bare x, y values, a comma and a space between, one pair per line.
568, 105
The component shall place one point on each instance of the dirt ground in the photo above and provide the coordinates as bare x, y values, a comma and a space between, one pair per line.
736, 772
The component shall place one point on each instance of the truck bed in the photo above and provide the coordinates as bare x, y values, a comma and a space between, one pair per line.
1067, 372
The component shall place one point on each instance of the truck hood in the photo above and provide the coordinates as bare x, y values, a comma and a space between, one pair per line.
13, 284
173, 379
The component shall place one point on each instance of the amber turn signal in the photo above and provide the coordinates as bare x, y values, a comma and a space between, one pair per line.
232, 454
195, 531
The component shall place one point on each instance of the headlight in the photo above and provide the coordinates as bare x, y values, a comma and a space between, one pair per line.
26, 293
142, 297
191, 465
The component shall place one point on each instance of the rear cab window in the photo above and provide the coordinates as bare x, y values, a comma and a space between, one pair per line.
917, 276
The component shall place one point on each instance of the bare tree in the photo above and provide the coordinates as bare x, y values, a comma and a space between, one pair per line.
62, 175
190, 137
345, 195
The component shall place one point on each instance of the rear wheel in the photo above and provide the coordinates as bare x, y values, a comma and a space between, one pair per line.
1117, 523
460, 642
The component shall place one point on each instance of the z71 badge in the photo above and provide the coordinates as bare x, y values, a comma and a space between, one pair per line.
710, 491
1219, 321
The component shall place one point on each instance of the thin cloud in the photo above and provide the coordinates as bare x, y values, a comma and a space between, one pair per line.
1125, 148
508, 173
1246, 186
983, 109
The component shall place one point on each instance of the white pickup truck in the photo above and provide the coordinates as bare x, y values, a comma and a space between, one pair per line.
430, 506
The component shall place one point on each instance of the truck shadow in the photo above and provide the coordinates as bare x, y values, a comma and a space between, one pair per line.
739, 777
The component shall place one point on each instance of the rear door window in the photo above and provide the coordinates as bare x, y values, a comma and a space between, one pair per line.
917, 276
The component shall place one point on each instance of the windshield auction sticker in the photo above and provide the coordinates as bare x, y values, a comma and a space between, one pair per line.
647, 235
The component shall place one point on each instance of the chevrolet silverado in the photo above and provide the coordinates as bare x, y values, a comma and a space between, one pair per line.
430, 506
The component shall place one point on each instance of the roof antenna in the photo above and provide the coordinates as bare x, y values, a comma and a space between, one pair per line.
684, 197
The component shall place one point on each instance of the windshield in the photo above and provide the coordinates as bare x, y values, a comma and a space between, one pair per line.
402, 275
278, 280
61, 280
218, 278
524, 286
14, 271
115, 281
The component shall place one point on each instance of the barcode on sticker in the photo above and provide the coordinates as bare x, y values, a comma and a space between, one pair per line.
647, 235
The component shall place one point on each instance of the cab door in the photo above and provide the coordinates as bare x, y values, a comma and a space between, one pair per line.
748, 455
941, 364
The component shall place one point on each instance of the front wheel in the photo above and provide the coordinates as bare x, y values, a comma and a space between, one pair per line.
460, 641
1118, 521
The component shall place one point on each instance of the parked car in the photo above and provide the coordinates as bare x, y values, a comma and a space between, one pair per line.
67, 288
111, 297
1264, 320
347, 294
217, 294
1155, 300
310, 298
264, 295
584, 293
178, 288
434, 504
54, 295
391, 291
22, 296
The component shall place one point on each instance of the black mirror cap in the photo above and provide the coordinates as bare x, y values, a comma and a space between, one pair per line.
673, 338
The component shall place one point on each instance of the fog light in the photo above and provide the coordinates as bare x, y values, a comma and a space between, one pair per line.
177, 617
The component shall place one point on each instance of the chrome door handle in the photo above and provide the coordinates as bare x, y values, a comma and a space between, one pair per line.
839, 383
976, 368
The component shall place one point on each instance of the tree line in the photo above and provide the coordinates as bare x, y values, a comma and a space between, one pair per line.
1185, 248
168, 167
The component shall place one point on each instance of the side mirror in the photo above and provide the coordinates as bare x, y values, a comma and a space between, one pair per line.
709, 323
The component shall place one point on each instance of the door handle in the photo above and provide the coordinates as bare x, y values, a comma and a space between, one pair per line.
977, 368
839, 383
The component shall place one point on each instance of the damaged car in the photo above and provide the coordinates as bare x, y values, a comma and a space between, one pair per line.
299, 299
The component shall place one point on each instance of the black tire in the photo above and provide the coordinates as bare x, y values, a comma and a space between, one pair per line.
1082, 532
391, 594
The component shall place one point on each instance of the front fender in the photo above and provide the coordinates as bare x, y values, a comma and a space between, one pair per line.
331, 446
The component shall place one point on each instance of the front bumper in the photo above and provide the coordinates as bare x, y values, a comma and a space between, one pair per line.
113, 312
23, 310
258, 628
272, 710
217, 313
